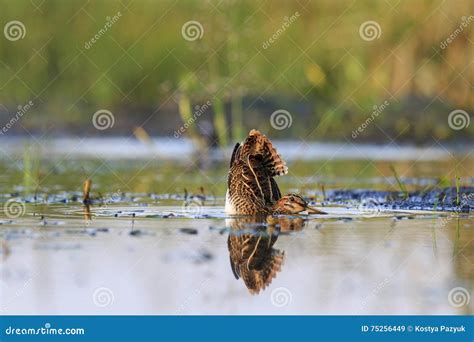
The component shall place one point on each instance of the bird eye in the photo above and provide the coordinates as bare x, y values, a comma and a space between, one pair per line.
291, 198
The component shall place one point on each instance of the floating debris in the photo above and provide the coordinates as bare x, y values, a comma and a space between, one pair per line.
91, 232
318, 226
202, 256
7, 222
221, 231
190, 231
86, 231
199, 256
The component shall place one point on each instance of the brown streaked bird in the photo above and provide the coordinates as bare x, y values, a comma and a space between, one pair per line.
293, 204
251, 253
251, 186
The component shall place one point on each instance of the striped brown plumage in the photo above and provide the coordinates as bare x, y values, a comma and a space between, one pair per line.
251, 252
252, 188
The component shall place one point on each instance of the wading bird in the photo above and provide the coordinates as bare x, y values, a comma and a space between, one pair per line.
251, 186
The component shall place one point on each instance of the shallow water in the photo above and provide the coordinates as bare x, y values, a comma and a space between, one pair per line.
141, 250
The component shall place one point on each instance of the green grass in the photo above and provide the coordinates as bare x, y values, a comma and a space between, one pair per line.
457, 181
401, 186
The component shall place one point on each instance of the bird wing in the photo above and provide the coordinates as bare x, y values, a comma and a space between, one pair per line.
253, 166
233, 258
275, 189
258, 279
235, 154
257, 143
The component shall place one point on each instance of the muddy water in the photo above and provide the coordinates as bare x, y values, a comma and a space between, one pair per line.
140, 250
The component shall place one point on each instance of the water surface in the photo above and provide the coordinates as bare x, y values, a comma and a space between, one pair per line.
145, 248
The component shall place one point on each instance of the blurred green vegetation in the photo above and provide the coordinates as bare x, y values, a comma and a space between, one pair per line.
318, 68
49, 176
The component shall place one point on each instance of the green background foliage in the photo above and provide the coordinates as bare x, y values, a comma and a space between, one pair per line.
319, 69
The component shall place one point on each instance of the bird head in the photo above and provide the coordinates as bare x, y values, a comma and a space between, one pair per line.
294, 204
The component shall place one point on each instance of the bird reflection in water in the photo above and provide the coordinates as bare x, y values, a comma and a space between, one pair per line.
250, 244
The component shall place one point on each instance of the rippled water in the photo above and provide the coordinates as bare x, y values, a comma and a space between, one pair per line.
142, 249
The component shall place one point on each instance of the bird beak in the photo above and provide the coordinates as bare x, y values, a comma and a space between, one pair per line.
312, 210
